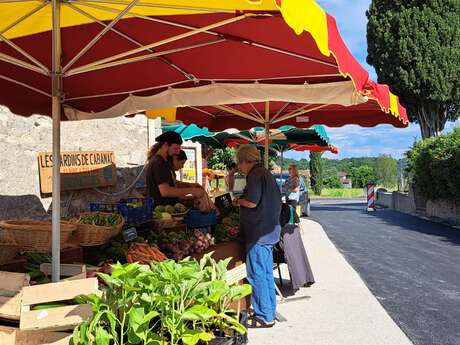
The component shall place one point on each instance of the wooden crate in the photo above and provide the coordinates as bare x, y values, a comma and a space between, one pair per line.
14, 336
11, 285
70, 271
61, 318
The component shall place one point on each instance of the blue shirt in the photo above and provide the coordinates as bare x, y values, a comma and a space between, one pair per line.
261, 224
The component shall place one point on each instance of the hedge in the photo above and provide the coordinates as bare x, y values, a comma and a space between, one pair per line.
435, 166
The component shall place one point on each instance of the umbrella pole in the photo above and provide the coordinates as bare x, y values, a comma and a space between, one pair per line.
267, 132
56, 82
281, 168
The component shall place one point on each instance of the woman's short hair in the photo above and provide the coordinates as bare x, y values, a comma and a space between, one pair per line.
247, 154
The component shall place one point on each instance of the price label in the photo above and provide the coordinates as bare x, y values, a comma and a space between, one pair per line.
129, 234
236, 274
224, 203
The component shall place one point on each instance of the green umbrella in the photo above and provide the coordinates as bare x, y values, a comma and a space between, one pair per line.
190, 131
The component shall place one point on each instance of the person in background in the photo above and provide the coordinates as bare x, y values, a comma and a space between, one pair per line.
177, 163
260, 208
292, 186
159, 180
230, 177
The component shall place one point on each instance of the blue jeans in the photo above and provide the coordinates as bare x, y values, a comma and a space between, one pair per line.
259, 266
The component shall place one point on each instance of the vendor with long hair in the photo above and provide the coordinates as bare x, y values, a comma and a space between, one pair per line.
160, 182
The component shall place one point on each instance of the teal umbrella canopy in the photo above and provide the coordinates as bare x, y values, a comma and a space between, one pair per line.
281, 139
187, 132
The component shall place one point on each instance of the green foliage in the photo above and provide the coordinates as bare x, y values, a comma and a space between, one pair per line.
386, 170
435, 165
341, 193
316, 172
362, 175
414, 46
347, 164
167, 303
331, 180
221, 158
302, 164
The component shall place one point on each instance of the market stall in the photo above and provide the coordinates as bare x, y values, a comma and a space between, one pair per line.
81, 60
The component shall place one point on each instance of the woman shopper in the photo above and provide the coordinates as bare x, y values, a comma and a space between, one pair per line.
260, 207
292, 187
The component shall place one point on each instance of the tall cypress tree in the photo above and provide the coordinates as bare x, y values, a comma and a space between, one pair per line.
414, 46
316, 172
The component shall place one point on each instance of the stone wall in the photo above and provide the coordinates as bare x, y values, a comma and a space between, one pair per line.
384, 199
22, 138
403, 202
445, 210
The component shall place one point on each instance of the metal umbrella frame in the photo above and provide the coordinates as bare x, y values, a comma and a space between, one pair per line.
57, 81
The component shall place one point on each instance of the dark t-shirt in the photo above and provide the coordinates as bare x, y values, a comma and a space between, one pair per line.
158, 171
261, 224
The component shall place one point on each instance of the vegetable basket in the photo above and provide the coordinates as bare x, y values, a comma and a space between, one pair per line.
166, 223
35, 235
179, 214
8, 248
88, 235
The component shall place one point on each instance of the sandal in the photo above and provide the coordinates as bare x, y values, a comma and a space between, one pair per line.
255, 322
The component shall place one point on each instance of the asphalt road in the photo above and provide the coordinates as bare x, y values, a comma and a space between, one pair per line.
411, 265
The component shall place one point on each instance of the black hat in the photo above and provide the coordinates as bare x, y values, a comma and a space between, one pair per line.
169, 138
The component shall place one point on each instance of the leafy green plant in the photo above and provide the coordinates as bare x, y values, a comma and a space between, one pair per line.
170, 302
434, 164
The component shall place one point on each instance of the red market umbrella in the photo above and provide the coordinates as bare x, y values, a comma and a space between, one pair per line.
107, 58
315, 148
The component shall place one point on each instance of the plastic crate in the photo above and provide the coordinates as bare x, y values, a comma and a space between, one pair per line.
196, 219
133, 214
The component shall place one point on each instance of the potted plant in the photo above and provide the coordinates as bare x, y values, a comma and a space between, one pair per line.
168, 302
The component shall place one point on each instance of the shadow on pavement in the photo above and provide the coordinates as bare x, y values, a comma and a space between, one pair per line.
413, 223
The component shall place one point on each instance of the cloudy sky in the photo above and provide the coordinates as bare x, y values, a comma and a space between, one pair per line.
354, 141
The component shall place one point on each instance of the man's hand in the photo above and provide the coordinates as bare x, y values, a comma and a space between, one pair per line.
198, 192
236, 202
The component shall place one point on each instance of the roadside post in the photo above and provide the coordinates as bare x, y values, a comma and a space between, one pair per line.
370, 197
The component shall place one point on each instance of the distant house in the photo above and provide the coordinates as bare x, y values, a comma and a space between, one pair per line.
346, 182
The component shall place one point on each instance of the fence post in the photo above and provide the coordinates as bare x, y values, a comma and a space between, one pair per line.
370, 197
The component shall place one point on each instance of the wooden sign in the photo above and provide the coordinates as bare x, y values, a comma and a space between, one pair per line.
79, 170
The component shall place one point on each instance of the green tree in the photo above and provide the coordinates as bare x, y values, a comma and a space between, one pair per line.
221, 158
362, 175
332, 181
316, 172
386, 170
414, 46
